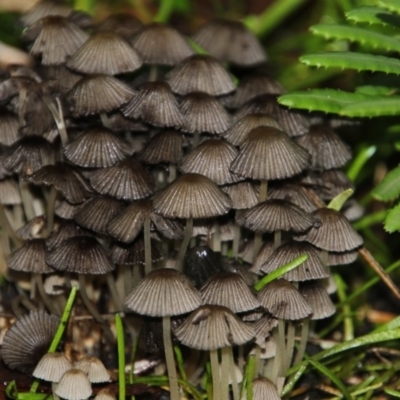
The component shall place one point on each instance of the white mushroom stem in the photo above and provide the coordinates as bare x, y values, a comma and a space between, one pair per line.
262, 196
277, 238
58, 117
114, 292
46, 299
147, 246
53, 389
303, 342
290, 344
282, 346
185, 243
171, 173
235, 384
27, 199
51, 201
169, 358
153, 73
225, 372
215, 374
236, 241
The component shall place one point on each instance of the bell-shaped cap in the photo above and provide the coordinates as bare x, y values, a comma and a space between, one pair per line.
272, 215
9, 125
263, 389
33, 229
243, 194
123, 24
281, 299
74, 385
200, 73
43, 9
213, 327
159, 44
105, 53
334, 233
51, 367
212, 158
230, 41
191, 196
318, 298
172, 294
9, 192
64, 230
94, 368
269, 154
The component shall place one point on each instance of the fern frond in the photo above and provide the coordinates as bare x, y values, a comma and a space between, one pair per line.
352, 60
366, 37
373, 107
373, 16
391, 5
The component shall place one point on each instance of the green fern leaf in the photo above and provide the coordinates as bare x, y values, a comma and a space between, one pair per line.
372, 16
351, 60
325, 100
376, 90
392, 220
366, 37
389, 188
373, 106
391, 5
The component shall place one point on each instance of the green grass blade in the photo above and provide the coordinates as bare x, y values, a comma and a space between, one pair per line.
359, 161
325, 100
363, 36
337, 202
352, 60
329, 374
374, 106
373, 16
280, 271
389, 188
392, 220
121, 357
372, 90
391, 5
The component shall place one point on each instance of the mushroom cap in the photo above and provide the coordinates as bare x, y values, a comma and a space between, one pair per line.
342, 258
33, 228
272, 215
28, 339
172, 294
93, 368
105, 394
44, 9
51, 367
74, 385
125, 25
269, 154
191, 196
159, 44
243, 194
318, 298
229, 290
9, 125
105, 53
230, 41
82, 255
212, 327
263, 328
63, 230
334, 233
211, 158
9, 192
263, 389
200, 73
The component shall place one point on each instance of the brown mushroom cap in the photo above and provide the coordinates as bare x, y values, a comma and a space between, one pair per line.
9, 125
319, 300
172, 294
213, 327
243, 194
125, 25
9, 192
191, 196
33, 228
43, 9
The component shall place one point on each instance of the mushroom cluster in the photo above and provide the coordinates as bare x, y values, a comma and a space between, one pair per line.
166, 187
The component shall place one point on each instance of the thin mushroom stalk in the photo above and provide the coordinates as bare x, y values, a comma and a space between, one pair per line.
147, 246
185, 243
46, 299
215, 374
262, 196
303, 341
225, 372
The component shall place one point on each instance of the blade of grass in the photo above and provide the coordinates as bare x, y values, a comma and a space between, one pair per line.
359, 161
121, 357
348, 321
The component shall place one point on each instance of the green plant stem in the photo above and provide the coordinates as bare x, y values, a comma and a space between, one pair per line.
179, 362
165, 11
121, 357
251, 365
60, 330
348, 321
303, 342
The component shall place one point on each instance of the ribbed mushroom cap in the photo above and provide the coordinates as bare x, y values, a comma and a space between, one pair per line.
159, 44
237, 134
67, 181
312, 268
155, 104
230, 41
243, 194
74, 385
272, 215
133, 253
64, 230
200, 264
105, 394
33, 228
29, 154
93, 368
200, 73
334, 234
82, 255
172, 294
327, 150
8, 128
262, 257
164, 147
317, 297
204, 113
97, 148
251, 86
213, 327
229, 290
281, 299
127, 224
28, 339
191, 196
65, 210
169, 228
9, 192
43, 9
97, 94
342, 258
125, 25
119, 123
97, 212
31, 257
292, 192
127, 180
263, 389
58, 39
51, 367
269, 154
263, 328
212, 158
295, 124
105, 53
